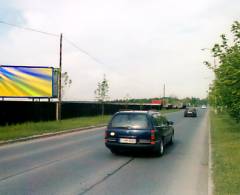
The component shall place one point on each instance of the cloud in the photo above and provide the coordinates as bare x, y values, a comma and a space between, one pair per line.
142, 44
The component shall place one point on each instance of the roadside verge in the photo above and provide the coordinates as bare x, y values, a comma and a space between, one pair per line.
45, 135
225, 142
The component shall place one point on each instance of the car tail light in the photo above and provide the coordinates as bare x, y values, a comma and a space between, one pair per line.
152, 137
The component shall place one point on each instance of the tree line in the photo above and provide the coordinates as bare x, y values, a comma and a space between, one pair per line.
224, 92
102, 90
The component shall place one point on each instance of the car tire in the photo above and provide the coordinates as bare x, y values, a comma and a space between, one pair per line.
160, 149
116, 152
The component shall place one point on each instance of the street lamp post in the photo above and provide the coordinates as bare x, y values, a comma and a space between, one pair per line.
214, 66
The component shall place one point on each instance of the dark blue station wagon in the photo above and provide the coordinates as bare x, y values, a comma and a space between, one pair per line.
139, 130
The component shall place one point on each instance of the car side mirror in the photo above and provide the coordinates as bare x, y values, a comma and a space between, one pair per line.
170, 122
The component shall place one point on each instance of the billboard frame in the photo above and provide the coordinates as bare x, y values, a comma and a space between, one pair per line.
31, 97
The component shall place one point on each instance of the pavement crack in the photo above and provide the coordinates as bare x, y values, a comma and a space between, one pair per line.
107, 176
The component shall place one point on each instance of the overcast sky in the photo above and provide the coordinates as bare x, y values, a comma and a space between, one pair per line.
141, 44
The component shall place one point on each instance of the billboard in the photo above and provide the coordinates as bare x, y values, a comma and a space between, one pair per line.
26, 81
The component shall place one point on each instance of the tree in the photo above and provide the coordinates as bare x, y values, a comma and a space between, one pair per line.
66, 82
224, 93
101, 93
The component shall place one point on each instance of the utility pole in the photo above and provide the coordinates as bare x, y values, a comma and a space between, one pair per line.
59, 102
164, 94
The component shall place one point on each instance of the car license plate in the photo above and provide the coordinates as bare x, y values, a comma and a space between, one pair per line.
128, 141
189, 112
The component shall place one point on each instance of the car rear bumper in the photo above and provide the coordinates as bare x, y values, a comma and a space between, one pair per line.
135, 147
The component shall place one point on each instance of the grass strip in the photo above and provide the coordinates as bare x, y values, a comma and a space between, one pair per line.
225, 135
38, 128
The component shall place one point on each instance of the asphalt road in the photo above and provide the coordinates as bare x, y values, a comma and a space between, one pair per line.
79, 163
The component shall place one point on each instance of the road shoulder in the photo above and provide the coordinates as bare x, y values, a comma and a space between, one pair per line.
45, 135
210, 180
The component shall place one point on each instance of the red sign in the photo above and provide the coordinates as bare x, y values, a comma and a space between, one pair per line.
157, 102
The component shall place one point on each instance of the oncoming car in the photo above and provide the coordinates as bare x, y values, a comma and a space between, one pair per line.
139, 130
190, 112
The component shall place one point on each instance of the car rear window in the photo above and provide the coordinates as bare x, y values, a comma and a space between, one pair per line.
133, 121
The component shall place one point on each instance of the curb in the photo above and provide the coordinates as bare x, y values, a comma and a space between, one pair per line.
210, 180
45, 135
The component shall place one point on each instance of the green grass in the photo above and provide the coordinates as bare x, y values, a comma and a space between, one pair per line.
37, 128
225, 135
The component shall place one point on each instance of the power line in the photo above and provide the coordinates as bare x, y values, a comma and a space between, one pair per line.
29, 29
55, 35
83, 51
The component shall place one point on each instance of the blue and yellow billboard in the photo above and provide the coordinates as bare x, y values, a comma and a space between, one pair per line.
26, 81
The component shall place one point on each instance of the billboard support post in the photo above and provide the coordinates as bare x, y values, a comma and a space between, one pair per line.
59, 102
